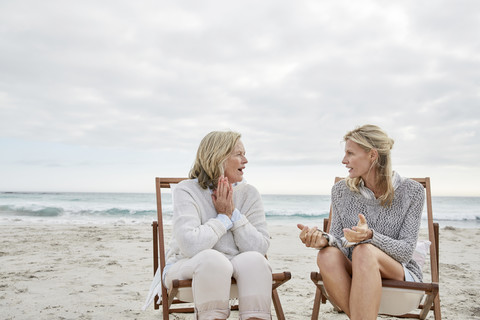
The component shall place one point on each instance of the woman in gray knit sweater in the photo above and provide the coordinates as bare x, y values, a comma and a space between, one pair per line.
220, 232
374, 229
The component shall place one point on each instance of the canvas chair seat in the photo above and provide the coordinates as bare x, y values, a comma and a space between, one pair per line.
389, 303
390, 296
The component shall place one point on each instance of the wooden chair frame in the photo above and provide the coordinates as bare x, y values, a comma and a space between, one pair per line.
169, 296
431, 299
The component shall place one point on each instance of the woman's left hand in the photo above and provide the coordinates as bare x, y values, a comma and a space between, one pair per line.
312, 237
222, 197
360, 232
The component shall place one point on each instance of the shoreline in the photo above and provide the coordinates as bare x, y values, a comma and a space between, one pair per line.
105, 271
117, 221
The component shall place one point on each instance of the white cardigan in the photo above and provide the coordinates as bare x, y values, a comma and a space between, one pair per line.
195, 227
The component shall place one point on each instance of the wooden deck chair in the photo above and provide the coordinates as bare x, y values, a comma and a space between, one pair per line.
181, 291
399, 298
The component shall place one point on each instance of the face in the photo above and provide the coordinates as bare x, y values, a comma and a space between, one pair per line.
357, 160
235, 163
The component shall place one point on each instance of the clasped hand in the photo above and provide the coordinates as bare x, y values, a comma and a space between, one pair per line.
223, 197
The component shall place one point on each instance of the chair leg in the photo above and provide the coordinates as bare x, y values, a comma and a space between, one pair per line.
166, 315
436, 308
165, 308
316, 304
277, 305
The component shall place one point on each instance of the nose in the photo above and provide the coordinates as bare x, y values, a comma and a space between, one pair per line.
244, 159
344, 160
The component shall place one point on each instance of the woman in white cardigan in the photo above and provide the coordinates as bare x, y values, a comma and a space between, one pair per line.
219, 232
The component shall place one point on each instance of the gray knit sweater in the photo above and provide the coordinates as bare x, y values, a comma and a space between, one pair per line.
196, 229
395, 228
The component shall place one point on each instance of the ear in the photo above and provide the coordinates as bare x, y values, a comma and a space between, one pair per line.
373, 154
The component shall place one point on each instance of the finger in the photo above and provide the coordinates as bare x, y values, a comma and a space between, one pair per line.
315, 239
362, 219
349, 231
312, 230
300, 226
308, 240
230, 197
310, 235
349, 235
361, 228
221, 188
304, 231
358, 230
354, 236
228, 187
302, 235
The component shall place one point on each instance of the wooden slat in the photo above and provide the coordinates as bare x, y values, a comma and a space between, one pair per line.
165, 182
277, 278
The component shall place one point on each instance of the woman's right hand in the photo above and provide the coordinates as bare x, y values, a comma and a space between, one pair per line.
360, 232
223, 197
312, 237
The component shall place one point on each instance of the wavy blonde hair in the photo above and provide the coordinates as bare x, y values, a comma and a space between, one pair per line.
213, 151
371, 137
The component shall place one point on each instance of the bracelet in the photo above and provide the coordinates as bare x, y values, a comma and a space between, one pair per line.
327, 237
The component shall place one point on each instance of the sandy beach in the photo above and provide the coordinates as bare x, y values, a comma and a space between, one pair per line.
104, 272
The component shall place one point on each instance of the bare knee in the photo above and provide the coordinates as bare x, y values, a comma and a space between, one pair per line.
330, 259
364, 258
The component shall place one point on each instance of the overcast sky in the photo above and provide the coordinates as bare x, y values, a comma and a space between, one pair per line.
106, 95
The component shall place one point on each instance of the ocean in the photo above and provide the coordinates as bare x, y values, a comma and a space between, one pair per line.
135, 208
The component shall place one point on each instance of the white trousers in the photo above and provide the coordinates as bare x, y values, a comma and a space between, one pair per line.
211, 274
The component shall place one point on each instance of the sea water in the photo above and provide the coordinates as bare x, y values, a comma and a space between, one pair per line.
133, 208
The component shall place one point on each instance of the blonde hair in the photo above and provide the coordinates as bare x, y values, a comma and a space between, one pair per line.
371, 137
212, 152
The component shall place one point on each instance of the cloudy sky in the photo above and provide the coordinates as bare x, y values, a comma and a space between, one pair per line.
106, 95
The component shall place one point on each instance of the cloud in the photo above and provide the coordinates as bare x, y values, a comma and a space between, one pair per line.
292, 78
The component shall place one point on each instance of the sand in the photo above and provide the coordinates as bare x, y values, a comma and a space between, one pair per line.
104, 272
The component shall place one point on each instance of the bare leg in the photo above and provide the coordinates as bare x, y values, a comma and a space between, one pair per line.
369, 266
335, 269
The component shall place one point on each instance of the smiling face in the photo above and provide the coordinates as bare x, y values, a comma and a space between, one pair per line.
358, 161
235, 163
